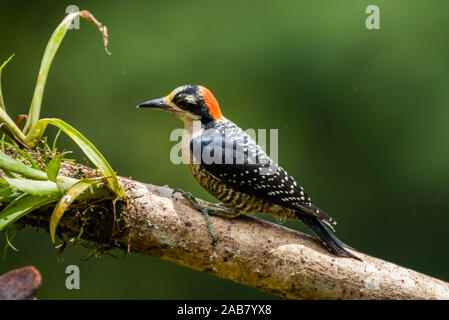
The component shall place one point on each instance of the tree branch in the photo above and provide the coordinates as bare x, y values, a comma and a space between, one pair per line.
249, 251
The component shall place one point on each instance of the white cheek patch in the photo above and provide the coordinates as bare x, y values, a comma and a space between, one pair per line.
190, 99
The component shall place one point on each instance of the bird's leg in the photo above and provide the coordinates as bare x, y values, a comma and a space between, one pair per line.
216, 211
208, 210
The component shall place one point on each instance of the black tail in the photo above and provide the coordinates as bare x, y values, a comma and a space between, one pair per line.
327, 237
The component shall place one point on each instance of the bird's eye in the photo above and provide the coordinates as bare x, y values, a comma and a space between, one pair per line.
182, 104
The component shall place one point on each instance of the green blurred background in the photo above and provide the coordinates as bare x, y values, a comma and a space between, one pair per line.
363, 117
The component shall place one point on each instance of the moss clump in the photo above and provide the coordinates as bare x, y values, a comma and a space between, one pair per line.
94, 224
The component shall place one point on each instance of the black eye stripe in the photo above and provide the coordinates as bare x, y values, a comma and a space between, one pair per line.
189, 90
184, 104
183, 100
181, 103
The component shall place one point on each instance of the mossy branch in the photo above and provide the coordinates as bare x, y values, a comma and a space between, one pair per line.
249, 251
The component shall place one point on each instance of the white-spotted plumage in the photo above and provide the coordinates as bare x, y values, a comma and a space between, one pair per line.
253, 166
252, 182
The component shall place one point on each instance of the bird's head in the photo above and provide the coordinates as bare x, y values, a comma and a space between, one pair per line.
189, 102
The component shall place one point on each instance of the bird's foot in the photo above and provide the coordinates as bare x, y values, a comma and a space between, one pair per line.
204, 209
207, 211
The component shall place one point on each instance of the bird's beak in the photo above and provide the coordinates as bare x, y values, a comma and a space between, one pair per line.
155, 104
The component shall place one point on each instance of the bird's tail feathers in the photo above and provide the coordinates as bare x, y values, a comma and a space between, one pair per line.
313, 210
335, 245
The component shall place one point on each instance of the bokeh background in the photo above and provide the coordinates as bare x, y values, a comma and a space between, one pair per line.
363, 117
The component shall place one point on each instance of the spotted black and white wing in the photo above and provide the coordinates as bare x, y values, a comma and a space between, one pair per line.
234, 158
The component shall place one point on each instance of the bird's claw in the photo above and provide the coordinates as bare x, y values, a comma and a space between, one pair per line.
184, 193
176, 191
192, 200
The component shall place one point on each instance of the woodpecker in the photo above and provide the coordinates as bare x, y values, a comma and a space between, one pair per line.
232, 167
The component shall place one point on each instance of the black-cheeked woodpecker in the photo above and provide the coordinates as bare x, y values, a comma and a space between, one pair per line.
244, 178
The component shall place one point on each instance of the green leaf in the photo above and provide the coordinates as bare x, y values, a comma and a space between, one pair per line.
3, 115
53, 168
9, 240
21, 206
49, 53
23, 153
5, 192
47, 59
40, 188
70, 196
8, 173
49, 188
35, 134
2, 102
11, 197
88, 148
8, 163
55, 149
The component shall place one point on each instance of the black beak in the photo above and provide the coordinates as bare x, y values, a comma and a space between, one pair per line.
155, 104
